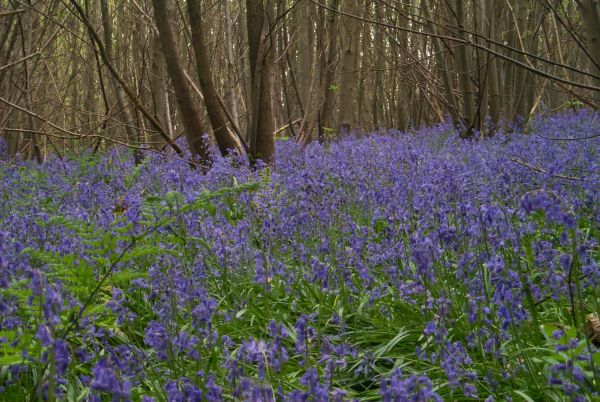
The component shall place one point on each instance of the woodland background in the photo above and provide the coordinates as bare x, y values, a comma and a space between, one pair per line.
406, 207
78, 75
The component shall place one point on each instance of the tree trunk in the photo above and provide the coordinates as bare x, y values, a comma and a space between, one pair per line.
33, 137
446, 72
464, 71
518, 96
590, 13
328, 71
488, 18
158, 89
305, 56
348, 77
226, 140
119, 93
378, 50
190, 113
234, 97
260, 41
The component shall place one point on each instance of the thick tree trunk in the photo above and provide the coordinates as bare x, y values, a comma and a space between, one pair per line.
260, 41
190, 113
226, 140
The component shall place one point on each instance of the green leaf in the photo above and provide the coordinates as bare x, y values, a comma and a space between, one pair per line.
385, 349
524, 395
10, 358
125, 276
549, 329
596, 358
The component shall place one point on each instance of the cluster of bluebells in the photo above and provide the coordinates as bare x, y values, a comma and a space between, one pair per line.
399, 266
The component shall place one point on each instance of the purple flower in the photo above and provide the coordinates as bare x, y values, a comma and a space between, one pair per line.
43, 334
106, 380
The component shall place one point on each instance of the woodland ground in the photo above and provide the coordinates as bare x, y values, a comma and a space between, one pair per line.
398, 267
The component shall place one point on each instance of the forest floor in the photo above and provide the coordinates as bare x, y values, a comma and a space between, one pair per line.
397, 267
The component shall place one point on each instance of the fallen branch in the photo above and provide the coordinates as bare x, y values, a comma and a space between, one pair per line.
280, 129
539, 169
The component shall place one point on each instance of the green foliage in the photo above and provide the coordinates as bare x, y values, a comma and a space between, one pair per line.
115, 257
331, 268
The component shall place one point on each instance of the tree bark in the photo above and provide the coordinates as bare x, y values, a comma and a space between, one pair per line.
446, 72
590, 13
489, 30
305, 54
158, 89
234, 97
378, 50
521, 15
262, 126
226, 140
464, 71
190, 113
348, 77
328, 71
120, 96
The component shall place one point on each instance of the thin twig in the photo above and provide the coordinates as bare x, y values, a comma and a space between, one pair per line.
21, 60
12, 12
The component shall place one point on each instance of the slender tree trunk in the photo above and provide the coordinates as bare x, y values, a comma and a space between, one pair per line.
328, 68
464, 72
245, 75
158, 89
348, 77
590, 13
287, 74
480, 69
489, 30
404, 91
311, 102
509, 68
305, 52
379, 50
33, 135
518, 96
90, 90
120, 96
234, 96
446, 71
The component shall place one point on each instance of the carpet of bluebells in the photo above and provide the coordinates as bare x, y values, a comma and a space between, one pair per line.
395, 267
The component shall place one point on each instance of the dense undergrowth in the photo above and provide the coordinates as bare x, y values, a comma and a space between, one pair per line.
398, 267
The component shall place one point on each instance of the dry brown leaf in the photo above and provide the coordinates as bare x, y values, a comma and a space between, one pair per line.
593, 328
120, 206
